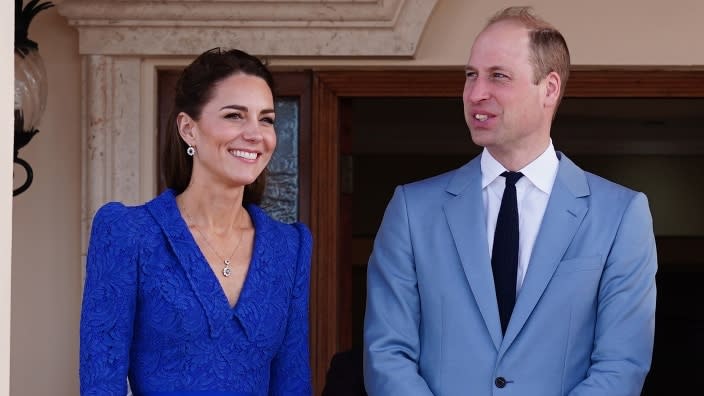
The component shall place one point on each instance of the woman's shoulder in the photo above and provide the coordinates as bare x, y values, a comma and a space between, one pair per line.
116, 215
287, 247
116, 211
265, 223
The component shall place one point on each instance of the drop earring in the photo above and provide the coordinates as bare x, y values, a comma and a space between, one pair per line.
190, 150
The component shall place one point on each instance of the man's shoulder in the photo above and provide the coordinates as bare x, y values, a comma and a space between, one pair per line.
602, 187
445, 181
583, 182
437, 181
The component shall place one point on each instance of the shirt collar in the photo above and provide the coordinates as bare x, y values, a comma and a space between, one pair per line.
541, 172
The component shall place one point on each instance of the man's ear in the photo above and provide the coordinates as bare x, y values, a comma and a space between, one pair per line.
186, 128
552, 89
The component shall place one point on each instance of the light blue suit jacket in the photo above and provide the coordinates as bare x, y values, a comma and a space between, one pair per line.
584, 318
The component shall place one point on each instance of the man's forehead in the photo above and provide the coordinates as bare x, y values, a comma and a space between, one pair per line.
495, 44
508, 29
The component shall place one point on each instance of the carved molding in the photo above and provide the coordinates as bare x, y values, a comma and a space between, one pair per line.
111, 133
388, 28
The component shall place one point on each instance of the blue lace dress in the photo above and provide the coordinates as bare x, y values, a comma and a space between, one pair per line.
153, 309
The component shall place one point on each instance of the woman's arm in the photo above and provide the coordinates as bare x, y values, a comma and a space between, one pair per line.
290, 373
108, 307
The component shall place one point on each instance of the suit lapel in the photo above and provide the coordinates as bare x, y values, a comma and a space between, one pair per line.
465, 217
564, 213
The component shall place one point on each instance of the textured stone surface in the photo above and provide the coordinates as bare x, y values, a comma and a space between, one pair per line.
111, 110
389, 28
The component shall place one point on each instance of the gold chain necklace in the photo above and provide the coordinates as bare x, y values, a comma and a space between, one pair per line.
227, 271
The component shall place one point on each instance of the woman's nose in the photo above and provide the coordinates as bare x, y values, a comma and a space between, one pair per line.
252, 131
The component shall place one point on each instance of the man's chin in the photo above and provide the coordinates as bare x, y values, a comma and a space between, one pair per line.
482, 138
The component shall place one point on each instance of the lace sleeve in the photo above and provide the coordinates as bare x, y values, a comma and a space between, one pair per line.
291, 366
108, 306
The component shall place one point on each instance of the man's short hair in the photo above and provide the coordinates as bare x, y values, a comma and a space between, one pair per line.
548, 47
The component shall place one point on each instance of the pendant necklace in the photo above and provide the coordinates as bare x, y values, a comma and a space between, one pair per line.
227, 271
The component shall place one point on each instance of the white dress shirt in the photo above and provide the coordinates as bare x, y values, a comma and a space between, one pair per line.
532, 194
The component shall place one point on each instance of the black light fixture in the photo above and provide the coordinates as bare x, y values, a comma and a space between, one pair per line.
30, 84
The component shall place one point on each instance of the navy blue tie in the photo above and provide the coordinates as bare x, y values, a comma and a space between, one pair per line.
504, 254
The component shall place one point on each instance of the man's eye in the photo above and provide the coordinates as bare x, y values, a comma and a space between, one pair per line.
499, 76
471, 75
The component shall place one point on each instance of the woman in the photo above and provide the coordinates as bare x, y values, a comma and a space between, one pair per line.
198, 292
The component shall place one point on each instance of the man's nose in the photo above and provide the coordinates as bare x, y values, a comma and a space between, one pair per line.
476, 90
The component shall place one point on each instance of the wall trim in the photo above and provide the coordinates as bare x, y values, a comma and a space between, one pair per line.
388, 28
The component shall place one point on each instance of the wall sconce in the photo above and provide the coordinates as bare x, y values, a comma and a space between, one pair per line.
30, 84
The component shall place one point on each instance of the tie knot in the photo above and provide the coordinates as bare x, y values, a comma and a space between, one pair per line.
512, 177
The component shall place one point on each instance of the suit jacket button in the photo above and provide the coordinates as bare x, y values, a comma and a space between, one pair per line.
500, 382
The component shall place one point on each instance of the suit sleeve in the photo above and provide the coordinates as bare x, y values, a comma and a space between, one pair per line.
108, 306
290, 373
625, 323
392, 317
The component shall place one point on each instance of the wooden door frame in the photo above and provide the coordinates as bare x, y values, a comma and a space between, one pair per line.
329, 87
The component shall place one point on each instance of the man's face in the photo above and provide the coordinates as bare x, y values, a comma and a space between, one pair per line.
506, 111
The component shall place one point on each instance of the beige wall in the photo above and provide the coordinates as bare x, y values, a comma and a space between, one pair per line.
46, 252
46, 271
598, 32
6, 81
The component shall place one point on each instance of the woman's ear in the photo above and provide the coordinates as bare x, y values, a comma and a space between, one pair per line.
186, 128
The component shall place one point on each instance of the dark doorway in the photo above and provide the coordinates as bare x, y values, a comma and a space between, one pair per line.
654, 145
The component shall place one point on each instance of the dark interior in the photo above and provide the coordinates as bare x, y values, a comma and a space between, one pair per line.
651, 145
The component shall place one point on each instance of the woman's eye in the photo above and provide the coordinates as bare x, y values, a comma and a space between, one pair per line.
233, 116
268, 120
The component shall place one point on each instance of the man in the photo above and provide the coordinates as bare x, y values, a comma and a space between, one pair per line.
518, 273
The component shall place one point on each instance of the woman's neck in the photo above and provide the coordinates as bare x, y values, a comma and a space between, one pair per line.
216, 210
